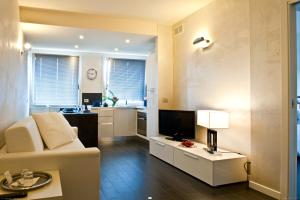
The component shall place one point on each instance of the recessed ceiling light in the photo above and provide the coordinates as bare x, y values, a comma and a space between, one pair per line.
76, 46
81, 37
27, 46
127, 41
116, 49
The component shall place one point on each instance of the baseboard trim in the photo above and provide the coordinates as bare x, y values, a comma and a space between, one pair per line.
263, 189
141, 136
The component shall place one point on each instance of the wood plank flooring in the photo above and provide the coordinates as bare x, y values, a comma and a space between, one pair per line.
128, 172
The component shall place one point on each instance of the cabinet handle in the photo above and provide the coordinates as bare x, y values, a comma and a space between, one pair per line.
191, 156
106, 123
161, 144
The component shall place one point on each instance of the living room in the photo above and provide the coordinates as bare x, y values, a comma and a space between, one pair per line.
223, 56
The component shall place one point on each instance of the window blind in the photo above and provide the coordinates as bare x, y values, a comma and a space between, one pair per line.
127, 79
55, 80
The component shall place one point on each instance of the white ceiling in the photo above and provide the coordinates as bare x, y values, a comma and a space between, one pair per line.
161, 11
58, 37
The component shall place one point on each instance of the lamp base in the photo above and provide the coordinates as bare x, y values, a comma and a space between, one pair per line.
209, 150
211, 140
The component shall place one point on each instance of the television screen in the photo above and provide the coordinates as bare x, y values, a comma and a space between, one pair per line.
94, 99
178, 122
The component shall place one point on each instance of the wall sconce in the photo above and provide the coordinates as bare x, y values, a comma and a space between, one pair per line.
202, 42
27, 46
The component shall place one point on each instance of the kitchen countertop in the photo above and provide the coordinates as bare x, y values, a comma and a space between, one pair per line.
118, 107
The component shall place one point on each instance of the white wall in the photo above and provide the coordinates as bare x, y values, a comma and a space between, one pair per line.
13, 70
165, 71
152, 95
242, 70
217, 77
88, 61
266, 92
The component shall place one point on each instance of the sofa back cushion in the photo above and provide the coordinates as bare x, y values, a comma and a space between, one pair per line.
23, 136
54, 129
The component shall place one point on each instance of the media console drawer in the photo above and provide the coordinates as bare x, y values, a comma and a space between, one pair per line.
194, 165
162, 151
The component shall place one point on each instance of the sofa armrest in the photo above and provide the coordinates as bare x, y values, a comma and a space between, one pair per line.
75, 131
79, 169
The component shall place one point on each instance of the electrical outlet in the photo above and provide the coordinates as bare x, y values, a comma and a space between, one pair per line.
165, 100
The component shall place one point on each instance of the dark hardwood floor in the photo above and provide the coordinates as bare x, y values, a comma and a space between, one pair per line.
128, 172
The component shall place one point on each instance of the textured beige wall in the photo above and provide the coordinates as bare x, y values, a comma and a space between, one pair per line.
266, 93
13, 71
165, 66
218, 77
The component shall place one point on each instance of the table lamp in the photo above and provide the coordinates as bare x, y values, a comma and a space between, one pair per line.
212, 119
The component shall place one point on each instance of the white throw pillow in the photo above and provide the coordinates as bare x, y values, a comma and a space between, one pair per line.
54, 129
23, 136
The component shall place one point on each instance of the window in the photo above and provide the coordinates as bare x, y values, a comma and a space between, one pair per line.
55, 80
126, 79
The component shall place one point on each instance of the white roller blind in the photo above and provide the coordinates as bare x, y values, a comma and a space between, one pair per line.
127, 79
55, 80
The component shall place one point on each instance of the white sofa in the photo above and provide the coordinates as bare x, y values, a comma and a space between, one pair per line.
79, 167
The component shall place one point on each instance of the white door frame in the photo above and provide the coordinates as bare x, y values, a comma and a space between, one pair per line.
288, 182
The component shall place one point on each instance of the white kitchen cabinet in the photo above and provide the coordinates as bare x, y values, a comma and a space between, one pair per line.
106, 127
116, 122
105, 122
125, 122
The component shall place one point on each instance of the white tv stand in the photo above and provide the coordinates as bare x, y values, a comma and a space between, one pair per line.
214, 169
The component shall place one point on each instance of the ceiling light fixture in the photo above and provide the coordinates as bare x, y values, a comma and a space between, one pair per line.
27, 46
81, 37
76, 46
116, 49
127, 41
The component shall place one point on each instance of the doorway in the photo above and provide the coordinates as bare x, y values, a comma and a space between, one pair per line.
294, 96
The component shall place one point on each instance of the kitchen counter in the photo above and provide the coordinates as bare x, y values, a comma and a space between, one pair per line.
115, 107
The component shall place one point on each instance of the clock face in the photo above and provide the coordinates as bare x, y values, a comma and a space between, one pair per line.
91, 74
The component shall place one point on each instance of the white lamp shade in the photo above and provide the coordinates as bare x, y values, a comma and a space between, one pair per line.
213, 119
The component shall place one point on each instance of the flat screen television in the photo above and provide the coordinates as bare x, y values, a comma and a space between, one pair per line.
177, 124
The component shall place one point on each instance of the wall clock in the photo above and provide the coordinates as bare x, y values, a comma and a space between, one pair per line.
91, 74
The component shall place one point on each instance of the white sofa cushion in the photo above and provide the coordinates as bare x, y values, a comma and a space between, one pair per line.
75, 145
54, 129
23, 136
